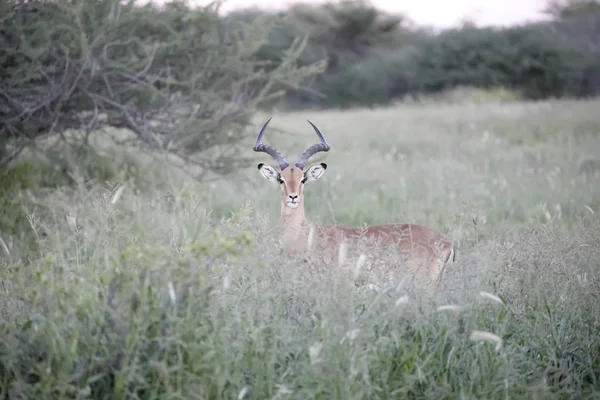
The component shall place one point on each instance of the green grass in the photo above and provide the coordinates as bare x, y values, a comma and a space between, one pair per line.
168, 288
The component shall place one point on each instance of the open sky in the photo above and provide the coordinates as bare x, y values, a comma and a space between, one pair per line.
435, 13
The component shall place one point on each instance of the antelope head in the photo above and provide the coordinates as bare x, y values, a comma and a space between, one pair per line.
291, 179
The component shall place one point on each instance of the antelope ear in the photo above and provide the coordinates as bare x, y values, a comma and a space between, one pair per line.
268, 172
315, 172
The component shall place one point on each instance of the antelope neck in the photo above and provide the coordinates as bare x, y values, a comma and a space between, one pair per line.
293, 224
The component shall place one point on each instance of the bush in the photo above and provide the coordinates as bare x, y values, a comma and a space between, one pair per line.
373, 81
373, 58
579, 22
183, 80
534, 60
357, 43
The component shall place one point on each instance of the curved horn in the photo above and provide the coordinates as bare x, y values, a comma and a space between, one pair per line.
270, 150
312, 150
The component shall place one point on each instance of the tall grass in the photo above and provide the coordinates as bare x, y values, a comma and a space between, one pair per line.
164, 288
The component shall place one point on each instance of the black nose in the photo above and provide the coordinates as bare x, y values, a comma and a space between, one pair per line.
293, 197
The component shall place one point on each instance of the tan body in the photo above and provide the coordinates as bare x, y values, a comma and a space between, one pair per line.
425, 252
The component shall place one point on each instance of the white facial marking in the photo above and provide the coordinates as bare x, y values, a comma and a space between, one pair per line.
292, 204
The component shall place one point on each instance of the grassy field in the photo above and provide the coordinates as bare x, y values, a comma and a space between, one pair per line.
154, 286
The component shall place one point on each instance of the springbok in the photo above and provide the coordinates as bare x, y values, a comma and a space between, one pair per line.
425, 251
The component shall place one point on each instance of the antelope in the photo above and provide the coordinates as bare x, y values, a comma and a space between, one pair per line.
425, 251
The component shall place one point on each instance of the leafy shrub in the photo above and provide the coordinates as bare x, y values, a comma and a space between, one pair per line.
373, 81
361, 46
183, 80
373, 58
532, 59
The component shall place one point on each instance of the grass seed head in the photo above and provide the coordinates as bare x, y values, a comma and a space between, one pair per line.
492, 297
451, 307
483, 336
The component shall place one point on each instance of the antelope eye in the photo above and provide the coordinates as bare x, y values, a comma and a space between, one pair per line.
303, 181
280, 181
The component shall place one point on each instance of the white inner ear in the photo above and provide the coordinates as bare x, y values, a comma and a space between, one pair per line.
314, 172
269, 173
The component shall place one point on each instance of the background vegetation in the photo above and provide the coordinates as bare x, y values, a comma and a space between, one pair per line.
374, 58
138, 247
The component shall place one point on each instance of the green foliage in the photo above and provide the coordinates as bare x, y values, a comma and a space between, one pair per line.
13, 206
572, 9
375, 80
347, 30
579, 22
182, 79
374, 58
354, 40
68, 164
364, 50
532, 60
259, 59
